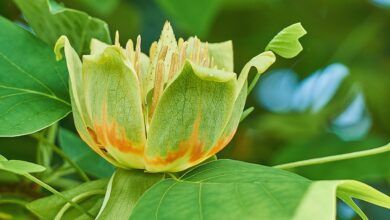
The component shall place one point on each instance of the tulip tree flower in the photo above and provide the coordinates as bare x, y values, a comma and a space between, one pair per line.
167, 111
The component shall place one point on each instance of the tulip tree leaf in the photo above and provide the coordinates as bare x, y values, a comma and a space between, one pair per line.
83, 155
49, 23
121, 200
227, 189
33, 91
19, 167
89, 195
286, 42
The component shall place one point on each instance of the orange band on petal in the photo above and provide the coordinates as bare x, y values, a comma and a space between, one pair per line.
194, 145
107, 134
221, 144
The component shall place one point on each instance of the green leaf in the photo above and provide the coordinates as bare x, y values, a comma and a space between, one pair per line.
89, 195
19, 167
124, 190
195, 17
50, 24
33, 91
286, 42
82, 154
226, 189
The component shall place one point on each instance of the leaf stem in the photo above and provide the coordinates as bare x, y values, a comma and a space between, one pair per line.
78, 198
56, 149
55, 192
334, 158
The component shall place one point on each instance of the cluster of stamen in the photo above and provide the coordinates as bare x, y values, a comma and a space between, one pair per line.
163, 72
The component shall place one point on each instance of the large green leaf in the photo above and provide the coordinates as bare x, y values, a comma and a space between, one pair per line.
195, 17
226, 189
124, 190
50, 21
88, 195
83, 155
33, 86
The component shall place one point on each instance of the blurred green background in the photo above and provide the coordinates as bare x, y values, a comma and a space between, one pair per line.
333, 98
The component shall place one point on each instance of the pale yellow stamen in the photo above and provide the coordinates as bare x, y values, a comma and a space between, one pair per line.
206, 52
153, 50
180, 43
163, 53
183, 54
158, 86
137, 57
212, 62
196, 50
204, 62
173, 67
130, 50
117, 38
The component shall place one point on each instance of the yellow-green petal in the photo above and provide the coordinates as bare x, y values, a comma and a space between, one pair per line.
82, 120
189, 120
113, 101
222, 53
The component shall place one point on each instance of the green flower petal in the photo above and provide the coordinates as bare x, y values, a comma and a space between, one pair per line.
82, 121
97, 46
234, 120
113, 102
222, 53
189, 119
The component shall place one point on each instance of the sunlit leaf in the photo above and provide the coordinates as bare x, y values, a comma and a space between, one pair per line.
286, 42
